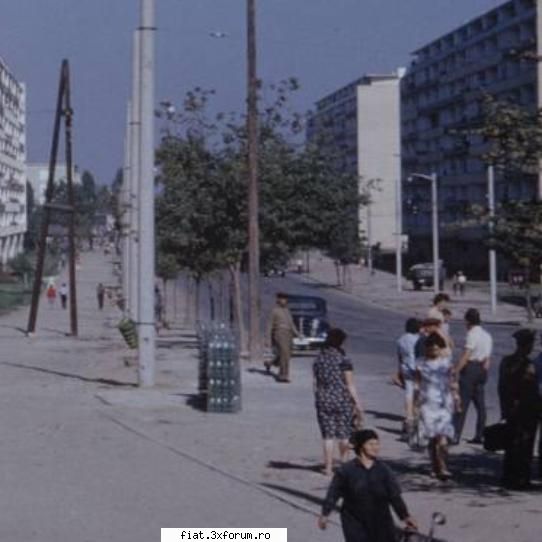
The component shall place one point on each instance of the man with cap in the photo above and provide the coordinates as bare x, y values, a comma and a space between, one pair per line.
520, 407
472, 368
280, 332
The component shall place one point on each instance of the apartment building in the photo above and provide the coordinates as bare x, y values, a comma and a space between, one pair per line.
361, 127
12, 164
441, 96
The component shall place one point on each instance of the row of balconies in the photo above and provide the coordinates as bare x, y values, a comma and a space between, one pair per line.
477, 30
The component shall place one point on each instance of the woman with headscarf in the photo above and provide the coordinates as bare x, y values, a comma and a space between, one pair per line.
368, 489
337, 405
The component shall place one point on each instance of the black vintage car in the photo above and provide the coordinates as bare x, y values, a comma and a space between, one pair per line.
310, 317
422, 275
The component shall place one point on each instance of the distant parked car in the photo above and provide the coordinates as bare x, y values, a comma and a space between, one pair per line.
310, 317
422, 276
274, 271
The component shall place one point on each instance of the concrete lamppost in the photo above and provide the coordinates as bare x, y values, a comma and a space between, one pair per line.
146, 199
433, 178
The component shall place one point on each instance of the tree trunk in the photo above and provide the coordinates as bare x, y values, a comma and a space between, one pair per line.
221, 311
528, 295
188, 302
175, 284
212, 305
164, 301
338, 273
235, 272
197, 293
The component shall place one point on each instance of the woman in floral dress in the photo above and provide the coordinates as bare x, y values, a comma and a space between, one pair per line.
437, 393
337, 404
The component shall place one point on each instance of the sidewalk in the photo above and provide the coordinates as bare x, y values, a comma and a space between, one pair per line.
89, 456
381, 289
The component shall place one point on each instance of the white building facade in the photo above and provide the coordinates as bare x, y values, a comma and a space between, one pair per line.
362, 119
13, 212
38, 176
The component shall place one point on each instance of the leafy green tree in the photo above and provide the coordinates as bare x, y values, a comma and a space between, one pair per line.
513, 146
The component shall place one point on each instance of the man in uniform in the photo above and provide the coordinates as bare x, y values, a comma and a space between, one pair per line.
472, 369
280, 332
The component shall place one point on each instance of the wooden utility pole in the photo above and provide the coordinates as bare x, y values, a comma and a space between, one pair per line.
253, 203
63, 109
68, 115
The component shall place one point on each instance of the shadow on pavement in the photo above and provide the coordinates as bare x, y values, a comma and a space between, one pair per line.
385, 416
288, 465
295, 493
390, 430
195, 401
106, 381
473, 474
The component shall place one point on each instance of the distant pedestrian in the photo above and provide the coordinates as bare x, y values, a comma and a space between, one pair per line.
100, 294
406, 354
455, 283
280, 333
437, 390
338, 408
51, 294
472, 370
63, 291
462, 282
368, 489
520, 407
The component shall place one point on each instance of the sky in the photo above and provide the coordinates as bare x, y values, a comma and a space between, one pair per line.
323, 43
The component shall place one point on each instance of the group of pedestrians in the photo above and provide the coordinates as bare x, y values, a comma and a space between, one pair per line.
439, 388
51, 293
439, 391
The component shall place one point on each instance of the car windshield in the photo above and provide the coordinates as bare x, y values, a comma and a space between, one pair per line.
307, 305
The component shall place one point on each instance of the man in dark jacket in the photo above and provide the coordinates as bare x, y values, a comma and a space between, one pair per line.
520, 406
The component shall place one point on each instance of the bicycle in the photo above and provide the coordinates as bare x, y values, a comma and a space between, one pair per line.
437, 518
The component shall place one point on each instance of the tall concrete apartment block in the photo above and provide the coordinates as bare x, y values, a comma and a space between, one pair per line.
441, 95
361, 122
12, 165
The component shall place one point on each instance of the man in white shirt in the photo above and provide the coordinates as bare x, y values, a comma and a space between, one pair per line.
472, 368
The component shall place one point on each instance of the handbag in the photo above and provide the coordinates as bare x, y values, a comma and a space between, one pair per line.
496, 437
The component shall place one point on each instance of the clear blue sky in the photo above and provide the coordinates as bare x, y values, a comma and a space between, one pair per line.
324, 43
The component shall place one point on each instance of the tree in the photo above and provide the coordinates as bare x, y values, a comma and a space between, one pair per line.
202, 207
517, 233
513, 145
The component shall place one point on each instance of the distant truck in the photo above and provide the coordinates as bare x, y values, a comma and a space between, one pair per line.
422, 276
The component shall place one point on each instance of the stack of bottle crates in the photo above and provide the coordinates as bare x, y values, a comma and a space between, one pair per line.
219, 369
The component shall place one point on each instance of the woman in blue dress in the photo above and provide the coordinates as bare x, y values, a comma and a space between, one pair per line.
437, 397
